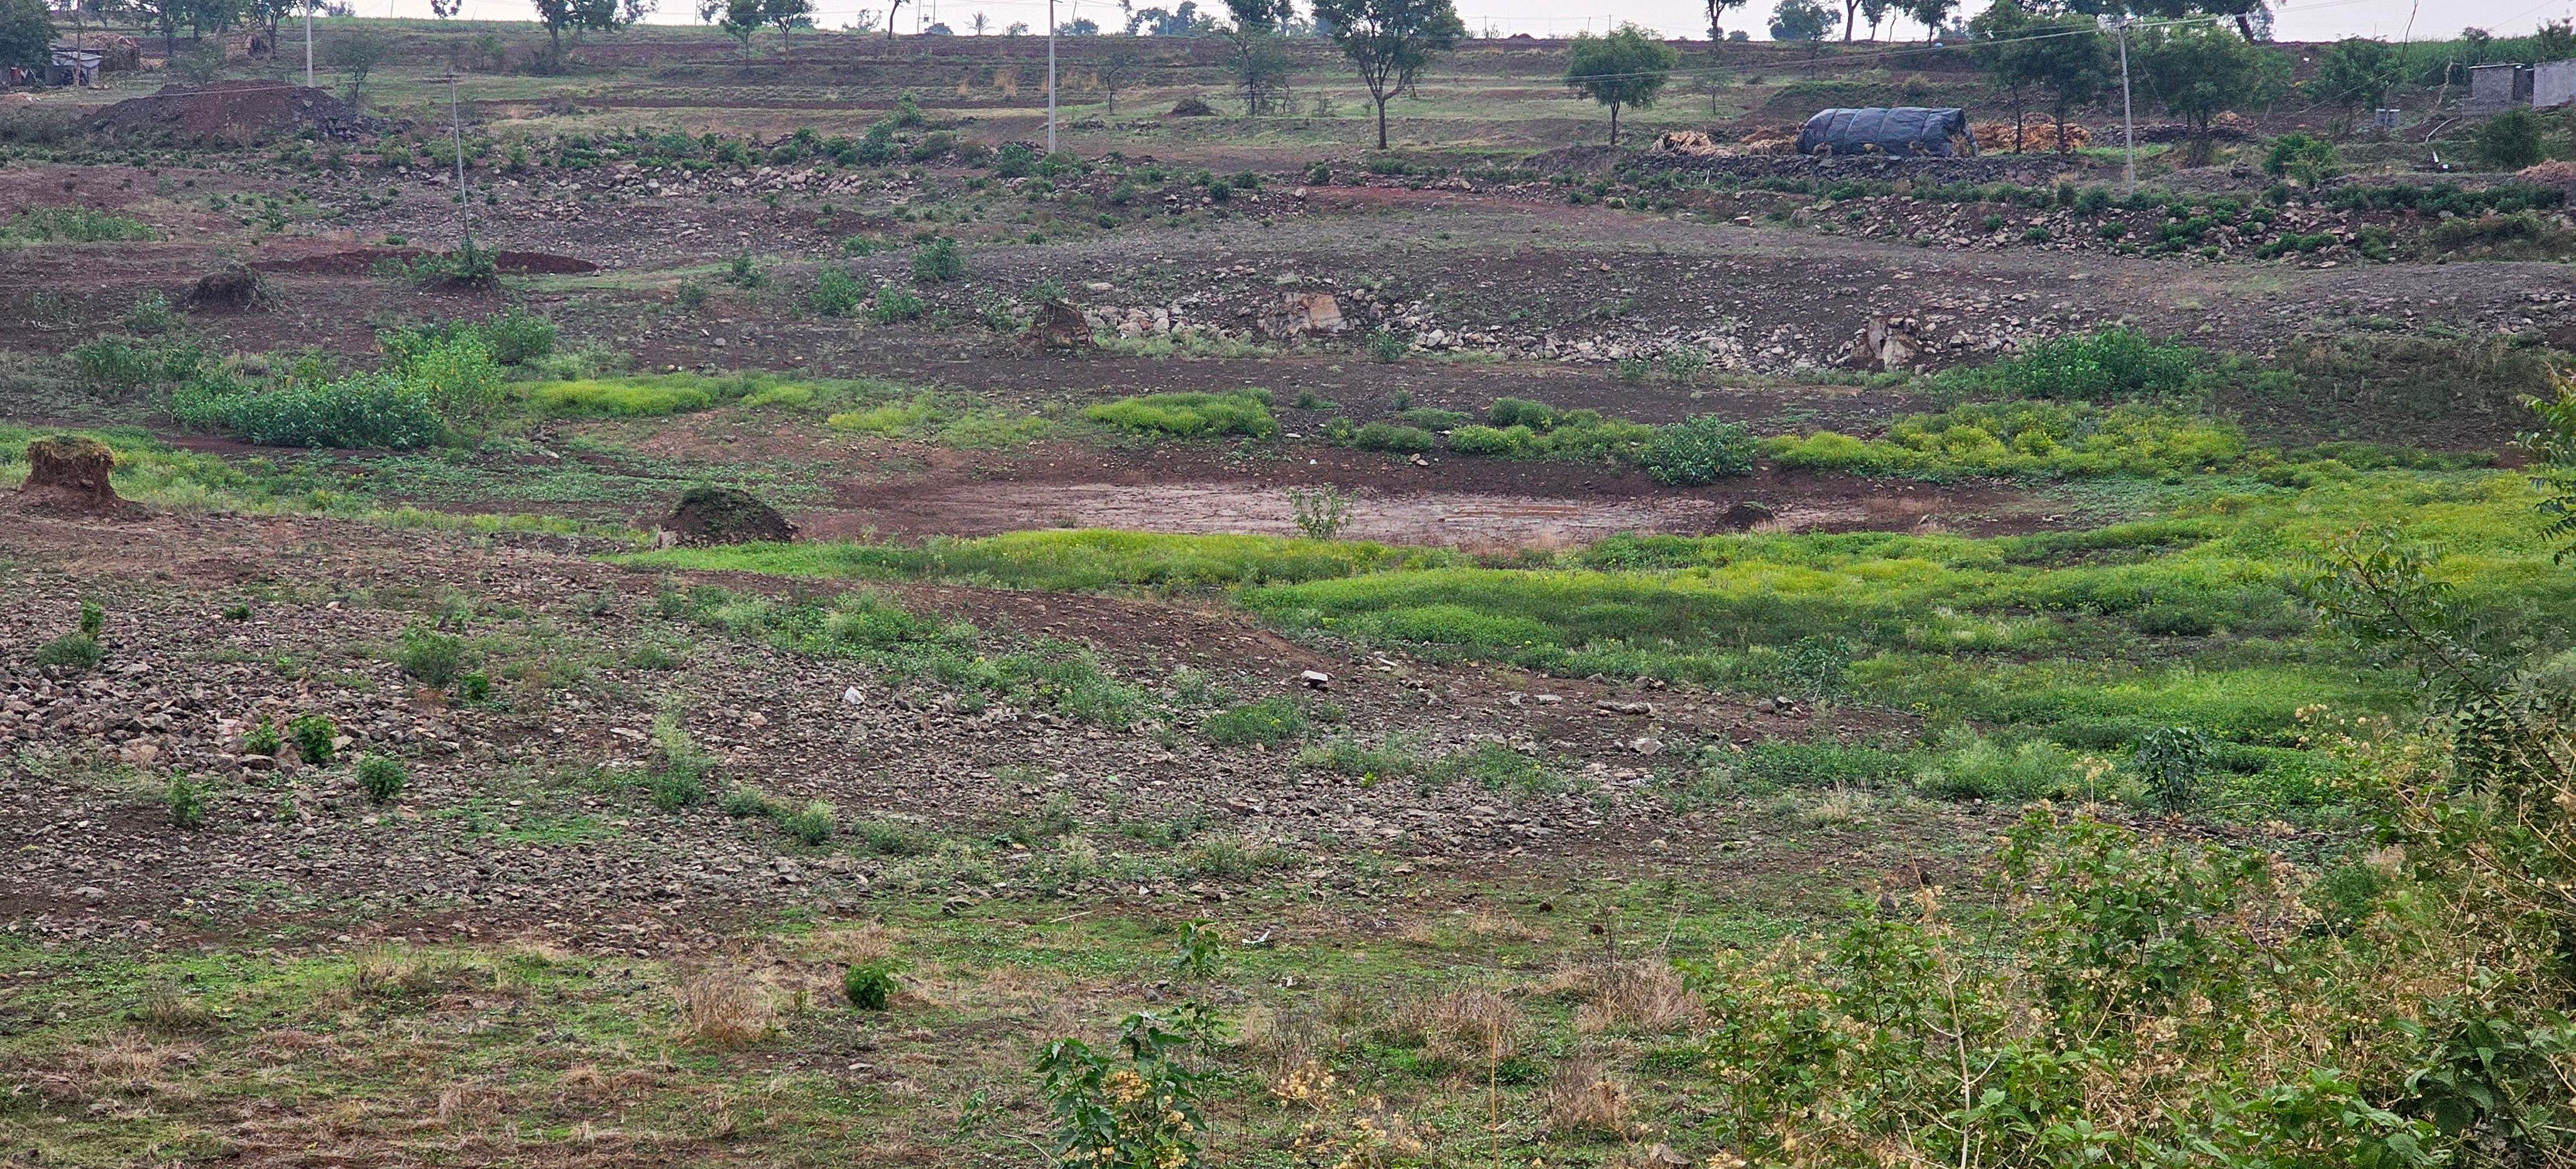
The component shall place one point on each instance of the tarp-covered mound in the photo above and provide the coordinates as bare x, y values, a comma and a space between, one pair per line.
1901, 131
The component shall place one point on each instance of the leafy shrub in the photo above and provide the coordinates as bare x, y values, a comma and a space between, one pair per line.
744, 803
2171, 762
369, 410
1969, 765
1388, 436
93, 619
1700, 450
1498, 442
2509, 141
745, 272
513, 336
120, 363
2111, 363
1320, 512
1189, 414
382, 778
431, 657
868, 985
263, 738
812, 824
690, 294
1143, 1115
1388, 346
680, 779
315, 736
151, 316
73, 225
836, 293
186, 801
627, 397
71, 651
2309, 159
897, 305
938, 261
2024, 438
1270, 722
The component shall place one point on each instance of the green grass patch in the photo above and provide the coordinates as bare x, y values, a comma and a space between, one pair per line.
1191, 415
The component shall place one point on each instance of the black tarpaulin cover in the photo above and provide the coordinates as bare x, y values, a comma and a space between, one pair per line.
1902, 131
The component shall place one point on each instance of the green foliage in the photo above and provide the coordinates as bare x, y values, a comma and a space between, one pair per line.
1320, 512
1184, 415
26, 33
93, 619
2356, 72
1380, 436
679, 779
315, 736
1199, 951
811, 825
2112, 363
263, 738
514, 336
382, 778
1801, 20
151, 316
894, 304
1626, 68
2552, 446
836, 293
1968, 765
71, 651
1388, 346
2304, 157
938, 261
123, 364
430, 657
73, 225
1137, 1109
1389, 42
369, 410
2023, 438
868, 986
2172, 762
1703, 449
2063, 58
185, 799
1269, 722
2202, 70
2509, 141
745, 272
620, 397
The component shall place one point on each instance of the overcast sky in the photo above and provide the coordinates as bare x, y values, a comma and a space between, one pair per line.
2303, 20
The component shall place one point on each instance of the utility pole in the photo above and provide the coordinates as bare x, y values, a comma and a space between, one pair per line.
1050, 76
308, 43
2128, 121
456, 133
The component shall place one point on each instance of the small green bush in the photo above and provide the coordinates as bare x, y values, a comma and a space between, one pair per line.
186, 800
868, 985
897, 305
315, 737
746, 803
938, 261
1390, 436
71, 651
836, 293
263, 738
1388, 346
812, 824
1700, 450
1270, 722
1509, 412
430, 657
1185, 415
151, 316
2100, 366
382, 778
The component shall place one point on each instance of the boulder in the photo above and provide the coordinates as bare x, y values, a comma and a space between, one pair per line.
1886, 344
1059, 325
66, 471
1304, 314
723, 515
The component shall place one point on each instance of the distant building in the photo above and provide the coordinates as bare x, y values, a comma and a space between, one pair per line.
2553, 84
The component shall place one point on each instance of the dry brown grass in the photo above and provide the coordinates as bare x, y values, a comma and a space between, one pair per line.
721, 1007
393, 972
1643, 996
166, 1011
126, 1062
1462, 1029
1582, 1097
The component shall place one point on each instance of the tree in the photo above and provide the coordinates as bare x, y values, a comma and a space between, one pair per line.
1625, 68
356, 53
2356, 72
1260, 62
2509, 141
200, 64
738, 18
267, 14
579, 16
26, 33
1875, 12
1932, 13
787, 14
979, 22
1717, 10
2064, 57
1018, 28
1389, 41
1801, 20
2202, 71
1184, 21
2556, 41
1121, 66
2553, 459
1081, 26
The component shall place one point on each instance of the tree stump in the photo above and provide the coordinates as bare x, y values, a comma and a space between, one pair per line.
69, 471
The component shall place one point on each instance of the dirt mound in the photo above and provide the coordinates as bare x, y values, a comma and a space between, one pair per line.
233, 111
1589, 160
723, 515
2550, 174
1191, 107
67, 473
234, 287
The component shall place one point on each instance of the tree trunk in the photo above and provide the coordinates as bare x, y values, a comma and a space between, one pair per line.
2062, 147
2245, 27
1614, 123
1849, 8
1381, 122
